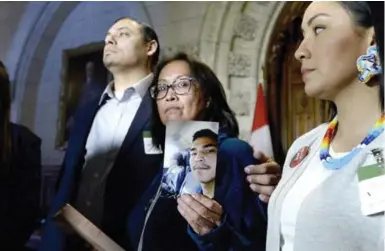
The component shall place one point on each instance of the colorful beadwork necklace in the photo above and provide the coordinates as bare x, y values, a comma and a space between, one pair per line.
334, 164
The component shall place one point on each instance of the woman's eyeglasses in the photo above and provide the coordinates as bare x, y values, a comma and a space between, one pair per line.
180, 86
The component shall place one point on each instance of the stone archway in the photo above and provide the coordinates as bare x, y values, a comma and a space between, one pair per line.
38, 75
37, 44
32, 57
234, 41
247, 42
231, 39
237, 34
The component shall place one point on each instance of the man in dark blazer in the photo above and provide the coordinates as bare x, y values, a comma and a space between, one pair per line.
110, 161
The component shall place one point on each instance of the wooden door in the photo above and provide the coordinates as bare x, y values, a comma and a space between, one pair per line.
301, 113
291, 112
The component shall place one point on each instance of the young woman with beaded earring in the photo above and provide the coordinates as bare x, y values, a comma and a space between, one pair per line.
323, 201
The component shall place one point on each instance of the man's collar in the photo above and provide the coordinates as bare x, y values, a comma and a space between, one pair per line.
140, 87
107, 93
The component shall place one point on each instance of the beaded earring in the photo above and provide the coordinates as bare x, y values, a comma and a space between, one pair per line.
368, 65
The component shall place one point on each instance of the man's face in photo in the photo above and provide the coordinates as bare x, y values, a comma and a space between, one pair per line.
203, 159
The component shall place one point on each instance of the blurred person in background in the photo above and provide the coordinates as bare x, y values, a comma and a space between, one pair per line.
20, 175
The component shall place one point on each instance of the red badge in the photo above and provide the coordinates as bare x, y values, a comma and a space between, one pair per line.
299, 156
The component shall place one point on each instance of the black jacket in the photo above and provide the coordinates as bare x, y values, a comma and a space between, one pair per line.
132, 173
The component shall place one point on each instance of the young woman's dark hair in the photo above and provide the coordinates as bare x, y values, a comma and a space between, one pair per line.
218, 109
366, 15
377, 9
5, 107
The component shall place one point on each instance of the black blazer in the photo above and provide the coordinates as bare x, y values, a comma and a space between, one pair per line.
132, 173
20, 190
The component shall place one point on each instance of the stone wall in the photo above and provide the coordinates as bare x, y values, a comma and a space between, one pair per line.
231, 37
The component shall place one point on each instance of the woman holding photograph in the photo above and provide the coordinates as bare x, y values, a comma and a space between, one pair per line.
187, 90
321, 203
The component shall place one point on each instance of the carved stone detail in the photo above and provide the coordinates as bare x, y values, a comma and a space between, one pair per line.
246, 28
239, 65
189, 48
262, 3
240, 102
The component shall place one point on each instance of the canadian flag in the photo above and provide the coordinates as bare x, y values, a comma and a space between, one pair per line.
260, 138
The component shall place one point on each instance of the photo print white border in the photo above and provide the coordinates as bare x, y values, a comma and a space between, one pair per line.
179, 135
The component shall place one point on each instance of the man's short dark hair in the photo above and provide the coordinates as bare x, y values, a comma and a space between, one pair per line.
149, 35
205, 133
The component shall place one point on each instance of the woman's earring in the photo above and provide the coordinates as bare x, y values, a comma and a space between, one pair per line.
368, 65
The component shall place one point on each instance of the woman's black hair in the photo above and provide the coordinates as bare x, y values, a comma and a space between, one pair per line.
367, 14
218, 109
